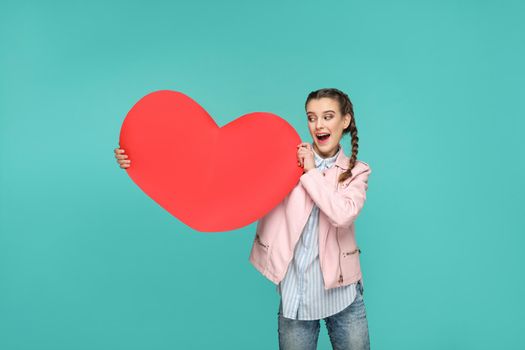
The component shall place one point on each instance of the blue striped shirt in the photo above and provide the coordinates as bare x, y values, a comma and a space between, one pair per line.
302, 290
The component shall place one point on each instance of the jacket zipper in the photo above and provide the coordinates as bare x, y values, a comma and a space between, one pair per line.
339, 246
340, 268
337, 238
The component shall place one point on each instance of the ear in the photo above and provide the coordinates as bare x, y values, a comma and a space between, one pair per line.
347, 119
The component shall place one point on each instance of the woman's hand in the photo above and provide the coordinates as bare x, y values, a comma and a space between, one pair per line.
122, 158
305, 156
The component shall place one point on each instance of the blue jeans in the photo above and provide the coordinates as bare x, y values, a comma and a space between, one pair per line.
348, 329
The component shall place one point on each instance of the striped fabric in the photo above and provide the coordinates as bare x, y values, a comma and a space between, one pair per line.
302, 290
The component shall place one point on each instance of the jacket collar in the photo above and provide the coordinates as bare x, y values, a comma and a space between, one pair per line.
341, 160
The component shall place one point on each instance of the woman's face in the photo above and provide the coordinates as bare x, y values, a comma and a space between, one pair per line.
324, 117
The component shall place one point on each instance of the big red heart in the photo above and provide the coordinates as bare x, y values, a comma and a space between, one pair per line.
211, 178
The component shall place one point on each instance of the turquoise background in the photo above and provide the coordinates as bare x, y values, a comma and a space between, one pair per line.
88, 261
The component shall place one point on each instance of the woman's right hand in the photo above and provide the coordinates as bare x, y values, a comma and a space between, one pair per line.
122, 158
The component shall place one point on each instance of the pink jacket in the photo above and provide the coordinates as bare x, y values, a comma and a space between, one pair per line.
340, 203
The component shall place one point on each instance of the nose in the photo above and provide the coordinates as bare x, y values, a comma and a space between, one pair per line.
319, 123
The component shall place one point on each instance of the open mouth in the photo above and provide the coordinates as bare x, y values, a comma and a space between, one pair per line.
322, 137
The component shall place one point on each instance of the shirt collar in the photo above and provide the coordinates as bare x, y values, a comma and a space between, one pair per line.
328, 162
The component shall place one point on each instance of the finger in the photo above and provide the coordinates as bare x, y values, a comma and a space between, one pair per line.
304, 152
306, 146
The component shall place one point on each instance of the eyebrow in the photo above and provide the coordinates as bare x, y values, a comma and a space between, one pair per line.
323, 112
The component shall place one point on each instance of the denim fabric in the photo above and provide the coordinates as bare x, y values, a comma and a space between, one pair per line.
348, 329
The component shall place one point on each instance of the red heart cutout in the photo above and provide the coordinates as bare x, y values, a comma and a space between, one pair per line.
211, 178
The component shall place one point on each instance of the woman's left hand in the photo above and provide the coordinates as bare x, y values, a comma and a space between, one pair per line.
305, 156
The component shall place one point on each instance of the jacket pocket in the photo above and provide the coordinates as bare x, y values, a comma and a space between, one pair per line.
351, 263
350, 252
260, 242
260, 253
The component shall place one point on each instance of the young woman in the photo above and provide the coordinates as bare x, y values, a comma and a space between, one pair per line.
306, 245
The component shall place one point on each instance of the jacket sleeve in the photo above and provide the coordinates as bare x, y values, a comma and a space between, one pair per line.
340, 206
